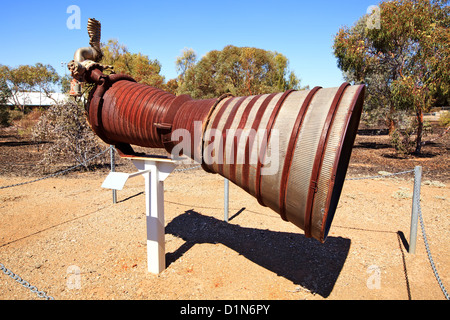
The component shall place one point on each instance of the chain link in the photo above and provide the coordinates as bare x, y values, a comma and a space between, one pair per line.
26, 284
430, 258
422, 225
382, 175
6, 271
187, 169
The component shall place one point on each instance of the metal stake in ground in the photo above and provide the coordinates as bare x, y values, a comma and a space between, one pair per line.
226, 199
415, 210
113, 169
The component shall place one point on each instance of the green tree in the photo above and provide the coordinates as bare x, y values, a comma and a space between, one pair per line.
5, 93
186, 61
283, 78
240, 71
65, 83
28, 78
405, 62
137, 65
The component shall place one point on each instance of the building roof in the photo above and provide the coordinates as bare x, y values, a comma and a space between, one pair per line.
33, 99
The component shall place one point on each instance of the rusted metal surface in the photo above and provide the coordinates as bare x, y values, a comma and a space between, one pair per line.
319, 158
314, 147
290, 150
263, 150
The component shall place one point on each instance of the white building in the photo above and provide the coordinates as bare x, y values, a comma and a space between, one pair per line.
36, 99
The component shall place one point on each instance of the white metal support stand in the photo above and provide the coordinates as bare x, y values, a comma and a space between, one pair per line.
155, 170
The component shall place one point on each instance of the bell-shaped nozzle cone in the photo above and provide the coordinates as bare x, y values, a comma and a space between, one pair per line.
290, 150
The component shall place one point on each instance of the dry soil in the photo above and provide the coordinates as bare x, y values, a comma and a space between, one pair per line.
54, 228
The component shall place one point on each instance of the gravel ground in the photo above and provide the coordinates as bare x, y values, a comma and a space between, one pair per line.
66, 237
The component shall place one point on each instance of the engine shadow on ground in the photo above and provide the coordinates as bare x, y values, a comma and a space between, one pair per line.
303, 261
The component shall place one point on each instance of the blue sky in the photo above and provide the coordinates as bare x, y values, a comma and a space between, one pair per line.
36, 31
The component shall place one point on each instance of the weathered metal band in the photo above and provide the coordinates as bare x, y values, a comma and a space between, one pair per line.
264, 145
131, 114
249, 143
95, 104
347, 140
114, 113
241, 126
226, 127
206, 123
319, 158
291, 148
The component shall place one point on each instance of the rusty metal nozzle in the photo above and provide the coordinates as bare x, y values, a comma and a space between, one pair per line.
290, 150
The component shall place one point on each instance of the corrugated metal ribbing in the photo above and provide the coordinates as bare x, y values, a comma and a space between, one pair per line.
290, 150
130, 110
282, 148
285, 171
236, 153
271, 184
320, 153
256, 139
304, 154
337, 157
242, 152
228, 135
191, 114
318, 208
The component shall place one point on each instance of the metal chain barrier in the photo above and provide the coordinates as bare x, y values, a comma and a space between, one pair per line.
430, 258
59, 172
26, 284
8, 272
422, 225
187, 169
382, 175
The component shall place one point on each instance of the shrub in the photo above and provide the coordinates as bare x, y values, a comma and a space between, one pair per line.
444, 120
66, 125
16, 115
402, 141
5, 117
403, 137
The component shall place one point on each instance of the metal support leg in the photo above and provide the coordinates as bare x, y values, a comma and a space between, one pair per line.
226, 199
415, 209
155, 171
113, 169
154, 174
